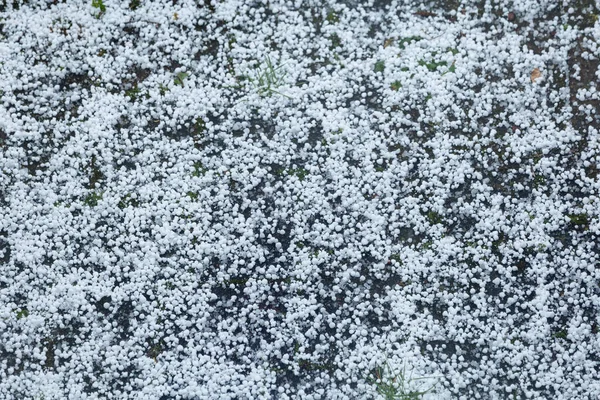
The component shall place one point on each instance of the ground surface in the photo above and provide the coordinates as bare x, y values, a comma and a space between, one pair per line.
236, 199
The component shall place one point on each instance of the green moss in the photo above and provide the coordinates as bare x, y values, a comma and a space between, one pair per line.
589, 20
300, 173
335, 40
277, 370
379, 66
562, 334
537, 156
180, 78
231, 40
396, 257
192, 195
49, 345
127, 201
236, 281
133, 93
92, 199
332, 17
95, 174
199, 127
155, 348
447, 289
541, 247
311, 366
100, 6
432, 65
434, 217
199, 169
396, 85
427, 245
162, 89
407, 40
22, 313
539, 180
579, 219
134, 4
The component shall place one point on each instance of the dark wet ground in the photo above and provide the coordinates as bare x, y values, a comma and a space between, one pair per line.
230, 299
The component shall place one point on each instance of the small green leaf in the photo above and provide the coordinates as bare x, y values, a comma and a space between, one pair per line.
452, 67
